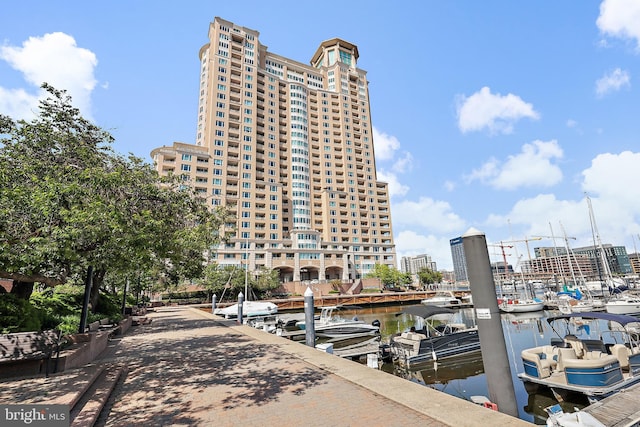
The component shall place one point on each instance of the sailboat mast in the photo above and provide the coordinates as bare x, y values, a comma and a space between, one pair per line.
246, 270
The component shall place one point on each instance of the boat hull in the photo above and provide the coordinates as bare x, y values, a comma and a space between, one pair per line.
521, 307
411, 352
623, 307
249, 309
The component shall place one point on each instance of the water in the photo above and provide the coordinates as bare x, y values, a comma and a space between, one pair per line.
465, 377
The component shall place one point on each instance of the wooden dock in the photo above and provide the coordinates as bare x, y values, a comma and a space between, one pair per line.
366, 299
619, 410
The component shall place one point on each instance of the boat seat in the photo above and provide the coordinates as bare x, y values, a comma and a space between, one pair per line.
621, 352
575, 343
590, 363
540, 360
563, 355
591, 355
413, 336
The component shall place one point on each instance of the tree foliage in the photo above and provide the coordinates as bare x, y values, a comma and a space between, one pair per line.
68, 201
229, 280
428, 276
390, 276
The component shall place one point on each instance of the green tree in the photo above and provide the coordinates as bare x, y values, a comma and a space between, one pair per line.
264, 281
229, 280
428, 276
389, 276
68, 201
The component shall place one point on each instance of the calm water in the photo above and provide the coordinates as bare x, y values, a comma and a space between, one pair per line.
464, 377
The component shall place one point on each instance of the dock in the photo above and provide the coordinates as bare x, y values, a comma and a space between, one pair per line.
296, 303
619, 410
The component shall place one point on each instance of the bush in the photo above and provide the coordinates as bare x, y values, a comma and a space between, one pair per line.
18, 315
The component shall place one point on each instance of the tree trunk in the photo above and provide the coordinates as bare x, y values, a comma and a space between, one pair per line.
98, 279
22, 289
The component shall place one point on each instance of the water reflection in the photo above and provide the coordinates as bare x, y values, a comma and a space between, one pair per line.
465, 377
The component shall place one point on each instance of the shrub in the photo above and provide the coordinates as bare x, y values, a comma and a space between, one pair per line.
18, 315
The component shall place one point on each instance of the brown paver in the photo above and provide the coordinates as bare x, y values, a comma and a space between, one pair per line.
189, 368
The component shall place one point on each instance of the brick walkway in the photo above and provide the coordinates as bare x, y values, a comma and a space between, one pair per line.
189, 368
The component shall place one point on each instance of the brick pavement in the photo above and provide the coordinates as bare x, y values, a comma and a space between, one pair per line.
189, 368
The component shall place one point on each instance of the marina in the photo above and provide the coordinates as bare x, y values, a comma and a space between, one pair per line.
464, 376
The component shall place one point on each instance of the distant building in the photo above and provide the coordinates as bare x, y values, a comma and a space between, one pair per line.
584, 262
459, 261
414, 264
616, 257
634, 259
288, 148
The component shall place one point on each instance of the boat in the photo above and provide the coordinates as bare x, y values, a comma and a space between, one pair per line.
526, 305
439, 338
443, 299
557, 417
596, 355
330, 325
575, 302
249, 309
623, 303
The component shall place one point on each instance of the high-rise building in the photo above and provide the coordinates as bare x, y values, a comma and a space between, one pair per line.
417, 263
459, 260
288, 148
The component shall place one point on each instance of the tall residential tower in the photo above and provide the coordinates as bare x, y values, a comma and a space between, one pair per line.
288, 147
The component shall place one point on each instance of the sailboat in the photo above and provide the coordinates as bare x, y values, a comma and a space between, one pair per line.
249, 308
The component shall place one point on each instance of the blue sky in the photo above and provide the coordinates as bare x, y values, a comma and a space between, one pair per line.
498, 115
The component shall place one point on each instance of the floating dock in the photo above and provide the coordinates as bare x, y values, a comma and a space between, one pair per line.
619, 410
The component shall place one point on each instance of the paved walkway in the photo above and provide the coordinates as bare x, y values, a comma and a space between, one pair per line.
189, 368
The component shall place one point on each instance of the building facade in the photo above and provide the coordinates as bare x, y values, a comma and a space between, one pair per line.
459, 260
416, 263
288, 148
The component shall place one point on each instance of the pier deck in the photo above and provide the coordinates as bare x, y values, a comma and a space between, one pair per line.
620, 410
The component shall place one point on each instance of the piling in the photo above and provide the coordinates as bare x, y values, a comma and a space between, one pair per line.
240, 302
309, 321
213, 303
494, 349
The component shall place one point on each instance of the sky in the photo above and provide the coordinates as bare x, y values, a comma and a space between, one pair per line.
503, 116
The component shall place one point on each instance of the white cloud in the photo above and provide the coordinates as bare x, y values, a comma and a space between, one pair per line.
430, 214
532, 167
571, 123
494, 112
404, 163
53, 58
17, 103
395, 187
386, 151
612, 82
615, 201
413, 244
621, 19
385, 145
614, 178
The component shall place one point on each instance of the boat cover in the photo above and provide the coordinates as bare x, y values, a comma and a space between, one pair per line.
622, 319
425, 311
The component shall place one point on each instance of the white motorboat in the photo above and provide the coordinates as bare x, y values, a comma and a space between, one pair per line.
249, 309
330, 325
443, 299
596, 354
512, 305
440, 338
623, 304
